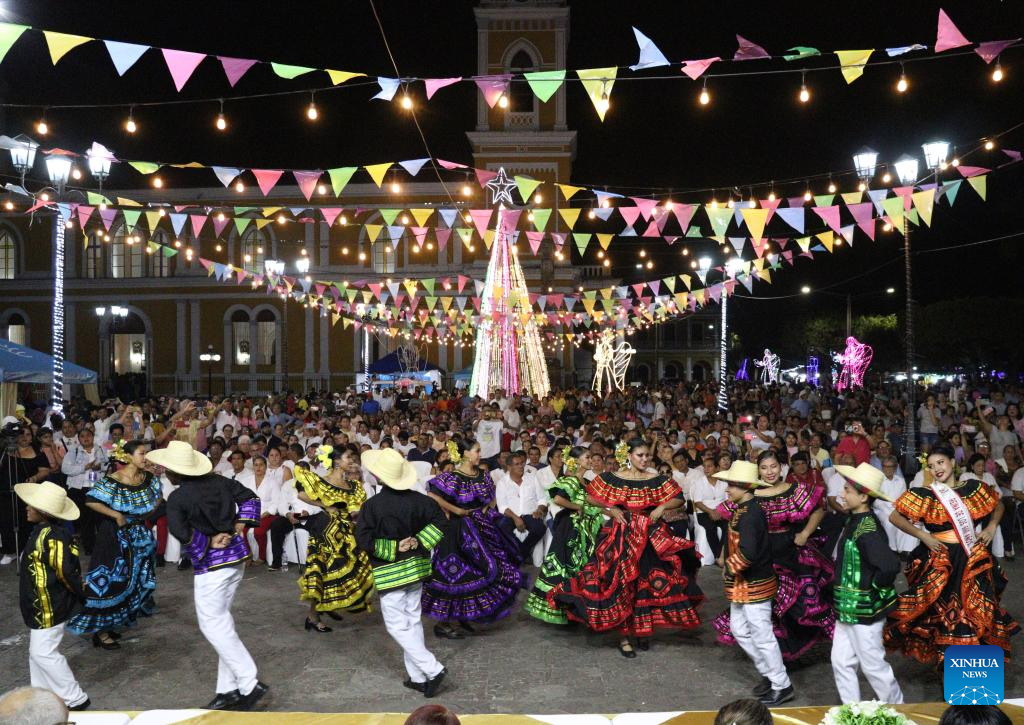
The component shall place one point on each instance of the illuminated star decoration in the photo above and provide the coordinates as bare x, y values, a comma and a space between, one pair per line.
855, 360
501, 188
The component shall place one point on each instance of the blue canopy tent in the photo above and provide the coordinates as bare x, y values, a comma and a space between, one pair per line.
391, 365
392, 371
464, 375
20, 364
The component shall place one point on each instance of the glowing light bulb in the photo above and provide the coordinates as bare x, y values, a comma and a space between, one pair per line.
362, 256
502, 101
886, 177
901, 84
321, 189
805, 95
831, 188
343, 220
607, 263
887, 227
396, 188
130, 126
807, 195
281, 219
997, 72
9, 205
467, 190
220, 216
158, 182
239, 187
705, 97
44, 196
862, 186
162, 213
686, 251
311, 113
591, 214
714, 203
730, 204
643, 253
603, 103
771, 196
955, 162
537, 198
42, 128
344, 250
529, 216
76, 174
247, 258
221, 123
218, 248
406, 102
989, 145
405, 219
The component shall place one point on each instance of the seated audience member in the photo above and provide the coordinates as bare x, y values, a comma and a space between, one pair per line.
521, 499
34, 706
747, 711
974, 715
432, 715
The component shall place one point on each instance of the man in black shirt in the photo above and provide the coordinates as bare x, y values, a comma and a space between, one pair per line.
422, 451
208, 514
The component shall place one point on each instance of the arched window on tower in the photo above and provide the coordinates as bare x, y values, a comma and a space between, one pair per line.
241, 344
254, 251
520, 97
160, 263
8, 255
266, 337
17, 329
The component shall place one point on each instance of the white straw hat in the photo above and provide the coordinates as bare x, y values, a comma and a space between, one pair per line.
742, 473
390, 468
865, 478
181, 458
49, 498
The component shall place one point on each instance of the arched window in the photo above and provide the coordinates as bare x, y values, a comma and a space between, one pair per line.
126, 256
643, 373
266, 337
8, 255
159, 263
672, 371
16, 329
241, 345
520, 96
94, 256
253, 251
383, 256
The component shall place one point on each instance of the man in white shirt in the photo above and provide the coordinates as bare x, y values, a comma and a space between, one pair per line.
65, 437
893, 486
488, 434
83, 465
522, 501
708, 494
225, 416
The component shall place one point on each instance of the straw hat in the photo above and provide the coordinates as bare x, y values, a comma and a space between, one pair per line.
743, 473
181, 458
390, 468
49, 498
865, 478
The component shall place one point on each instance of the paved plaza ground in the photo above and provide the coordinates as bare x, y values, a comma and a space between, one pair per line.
517, 666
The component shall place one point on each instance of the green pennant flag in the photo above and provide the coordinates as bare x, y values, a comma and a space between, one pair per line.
169, 251
950, 188
893, 207
914, 218
428, 284
144, 167
693, 233
670, 282
153, 246
340, 177
540, 218
799, 52
9, 33
526, 187
582, 240
979, 184
131, 218
239, 210
96, 199
241, 223
719, 218
290, 71
545, 83
389, 215
824, 200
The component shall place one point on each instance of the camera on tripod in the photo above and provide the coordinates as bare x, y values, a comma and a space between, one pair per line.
9, 436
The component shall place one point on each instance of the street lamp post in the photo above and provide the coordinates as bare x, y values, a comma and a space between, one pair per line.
731, 268
209, 357
906, 169
58, 167
302, 266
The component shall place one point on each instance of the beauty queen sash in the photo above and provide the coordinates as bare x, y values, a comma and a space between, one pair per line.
959, 516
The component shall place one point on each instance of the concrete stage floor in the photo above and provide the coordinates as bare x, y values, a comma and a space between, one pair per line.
516, 666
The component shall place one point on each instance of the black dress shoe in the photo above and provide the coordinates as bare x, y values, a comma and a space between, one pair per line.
224, 701
317, 626
431, 686
97, 642
114, 635
446, 632
643, 644
247, 702
184, 564
418, 686
627, 653
763, 688
777, 697
81, 706
334, 615
467, 627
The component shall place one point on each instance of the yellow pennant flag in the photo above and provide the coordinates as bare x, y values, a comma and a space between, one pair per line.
61, 43
152, 220
271, 210
853, 62
766, 275
340, 76
466, 235
755, 219
421, 216
373, 231
686, 280
852, 197
979, 184
924, 201
127, 202
605, 240
260, 223
598, 82
346, 321
568, 190
570, 216
826, 239
489, 238
377, 172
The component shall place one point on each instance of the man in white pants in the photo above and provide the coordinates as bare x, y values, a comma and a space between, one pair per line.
866, 567
397, 528
208, 514
50, 582
751, 584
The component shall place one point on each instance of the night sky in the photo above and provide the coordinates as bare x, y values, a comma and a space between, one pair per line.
655, 134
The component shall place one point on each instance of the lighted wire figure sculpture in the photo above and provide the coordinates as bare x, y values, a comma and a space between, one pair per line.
610, 363
742, 373
769, 364
855, 360
812, 370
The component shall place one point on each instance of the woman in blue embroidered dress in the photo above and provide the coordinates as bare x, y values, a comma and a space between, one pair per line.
120, 582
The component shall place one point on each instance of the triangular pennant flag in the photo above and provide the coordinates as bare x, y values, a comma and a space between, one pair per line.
534, 239
267, 178
219, 222
847, 233
389, 215
853, 62
923, 202
124, 55
829, 215
467, 237
526, 187
373, 231
226, 175
696, 68
770, 205
290, 71
719, 219
947, 35
198, 221
144, 167
307, 181
60, 43
824, 199
904, 49
396, 232
991, 49
340, 177
570, 216
493, 87
748, 50
9, 34
377, 172
96, 199
738, 243
826, 238
852, 197
241, 222
413, 166
979, 184
800, 52
340, 76
84, 212
794, 217
388, 87
755, 220
598, 82
448, 216
894, 210
442, 236
152, 220
235, 68
421, 215
435, 84
604, 240
950, 188
545, 84
131, 218
650, 56
568, 190
630, 214
540, 218
684, 213
877, 196
182, 64
177, 222
646, 206
863, 214
966, 171
582, 240
481, 219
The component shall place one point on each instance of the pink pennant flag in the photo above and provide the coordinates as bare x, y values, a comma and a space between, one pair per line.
235, 68
493, 87
651, 231
419, 234
684, 213
991, 49
948, 36
535, 239
307, 181
84, 212
1014, 155
267, 178
771, 206
181, 64
863, 214
481, 219
442, 236
645, 205
435, 84
483, 176
241, 274
905, 192
629, 213
198, 222
219, 223
829, 215
696, 68
748, 50
967, 171
510, 220
330, 214
452, 165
